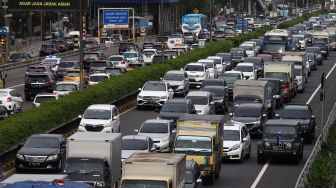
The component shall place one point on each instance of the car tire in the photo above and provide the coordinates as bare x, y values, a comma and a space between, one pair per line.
296, 159
27, 97
261, 159
139, 107
242, 156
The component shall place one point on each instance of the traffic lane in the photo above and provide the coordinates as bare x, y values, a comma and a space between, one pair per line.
282, 173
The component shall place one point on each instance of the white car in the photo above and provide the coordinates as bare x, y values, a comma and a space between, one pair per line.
52, 62
248, 69
161, 131
219, 64
154, 93
197, 72
40, 98
250, 49
97, 78
135, 143
236, 141
118, 61
203, 102
299, 77
211, 65
302, 41
148, 55
64, 88
100, 118
238, 74
11, 99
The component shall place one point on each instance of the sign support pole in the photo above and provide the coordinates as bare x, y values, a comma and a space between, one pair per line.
81, 49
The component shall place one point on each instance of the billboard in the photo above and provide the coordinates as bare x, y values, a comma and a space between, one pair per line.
45, 5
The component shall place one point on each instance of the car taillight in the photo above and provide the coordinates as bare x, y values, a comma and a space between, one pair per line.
122, 62
285, 85
97, 58
9, 99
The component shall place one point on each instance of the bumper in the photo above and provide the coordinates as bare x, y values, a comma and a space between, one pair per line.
33, 93
278, 154
25, 165
232, 155
157, 103
95, 129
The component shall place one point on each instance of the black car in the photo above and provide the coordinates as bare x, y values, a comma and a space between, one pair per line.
3, 112
65, 66
258, 63
48, 49
277, 91
220, 97
19, 57
92, 56
192, 175
253, 115
304, 114
238, 55
281, 138
36, 83
317, 52
174, 108
323, 47
227, 60
42, 152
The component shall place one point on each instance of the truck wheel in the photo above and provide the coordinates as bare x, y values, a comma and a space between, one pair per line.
139, 107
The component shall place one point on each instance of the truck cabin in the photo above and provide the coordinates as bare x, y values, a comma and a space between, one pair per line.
284, 78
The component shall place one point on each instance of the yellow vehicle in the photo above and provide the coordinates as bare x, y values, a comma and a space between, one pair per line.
74, 76
200, 137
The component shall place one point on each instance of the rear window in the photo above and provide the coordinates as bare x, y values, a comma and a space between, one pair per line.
116, 58
36, 69
98, 78
125, 46
92, 56
67, 65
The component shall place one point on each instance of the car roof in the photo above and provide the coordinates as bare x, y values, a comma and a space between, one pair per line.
101, 106
284, 122
198, 64
155, 82
175, 72
99, 74
157, 121
206, 60
233, 125
199, 93
46, 95
68, 82
296, 106
250, 105
245, 64
178, 101
232, 71
47, 135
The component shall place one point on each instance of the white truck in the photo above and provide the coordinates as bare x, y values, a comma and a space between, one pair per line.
299, 58
285, 72
254, 91
94, 158
164, 170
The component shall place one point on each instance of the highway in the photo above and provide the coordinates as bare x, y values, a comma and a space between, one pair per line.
276, 173
249, 173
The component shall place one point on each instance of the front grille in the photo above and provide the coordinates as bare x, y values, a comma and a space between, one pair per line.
35, 158
94, 128
249, 126
151, 98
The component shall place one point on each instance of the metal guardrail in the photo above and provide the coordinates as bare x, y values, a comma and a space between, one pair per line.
7, 158
302, 181
37, 60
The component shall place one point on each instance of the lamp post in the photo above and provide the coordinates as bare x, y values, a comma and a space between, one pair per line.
210, 16
161, 31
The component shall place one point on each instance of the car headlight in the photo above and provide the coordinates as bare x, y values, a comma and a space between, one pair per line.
99, 184
52, 157
289, 145
236, 146
267, 145
139, 96
19, 156
165, 139
107, 125
164, 97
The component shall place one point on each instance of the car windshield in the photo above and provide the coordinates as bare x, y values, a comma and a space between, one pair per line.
66, 87
154, 128
244, 68
41, 99
154, 87
229, 78
143, 184
286, 132
73, 73
198, 100
193, 144
298, 72
17, 56
231, 135
116, 58
246, 47
134, 144
247, 112
227, 57
279, 75
322, 46
175, 107
247, 99
173, 77
49, 61
216, 92
97, 114
209, 64
67, 65
98, 64
229, 31
42, 142
99, 78
295, 114
84, 166
189, 177
130, 55
37, 69
194, 68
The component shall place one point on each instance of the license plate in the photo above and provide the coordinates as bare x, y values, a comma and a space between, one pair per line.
277, 148
34, 164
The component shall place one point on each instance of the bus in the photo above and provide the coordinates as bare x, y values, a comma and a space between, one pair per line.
276, 42
194, 23
283, 10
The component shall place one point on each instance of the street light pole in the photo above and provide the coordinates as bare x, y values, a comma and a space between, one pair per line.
161, 31
210, 20
81, 52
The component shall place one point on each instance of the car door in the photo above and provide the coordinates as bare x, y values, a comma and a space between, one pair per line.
115, 120
16, 98
211, 105
246, 135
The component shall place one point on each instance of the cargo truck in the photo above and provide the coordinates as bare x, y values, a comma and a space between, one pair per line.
298, 58
285, 72
94, 158
161, 170
255, 91
200, 137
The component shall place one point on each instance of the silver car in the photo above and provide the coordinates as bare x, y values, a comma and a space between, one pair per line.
161, 131
178, 81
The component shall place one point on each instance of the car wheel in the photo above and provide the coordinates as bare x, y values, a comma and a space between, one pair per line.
261, 159
242, 155
296, 159
139, 107
211, 179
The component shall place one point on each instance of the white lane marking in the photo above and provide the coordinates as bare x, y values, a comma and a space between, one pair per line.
261, 173
319, 86
16, 86
263, 170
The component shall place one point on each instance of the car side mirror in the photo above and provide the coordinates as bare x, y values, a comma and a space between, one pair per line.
193, 111
139, 89
174, 131
5, 76
264, 115
161, 78
245, 139
80, 116
199, 180
170, 90
136, 130
231, 114
277, 116
312, 117
212, 103
20, 145
114, 118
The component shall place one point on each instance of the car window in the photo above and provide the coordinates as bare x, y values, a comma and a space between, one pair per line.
154, 128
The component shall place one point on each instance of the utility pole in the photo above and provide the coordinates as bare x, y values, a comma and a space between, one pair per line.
7, 16
161, 31
210, 16
81, 49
